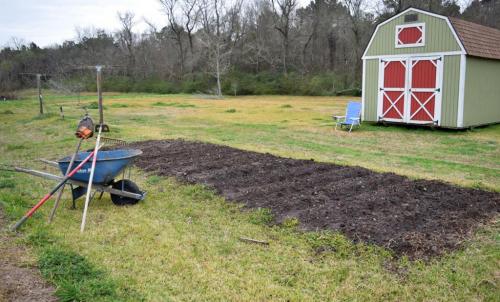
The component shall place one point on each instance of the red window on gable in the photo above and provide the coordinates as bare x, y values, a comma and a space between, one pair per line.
410, 35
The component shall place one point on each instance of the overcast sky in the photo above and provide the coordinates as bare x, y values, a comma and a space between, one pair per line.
53, 21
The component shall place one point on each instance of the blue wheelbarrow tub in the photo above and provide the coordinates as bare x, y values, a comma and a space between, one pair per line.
108, 165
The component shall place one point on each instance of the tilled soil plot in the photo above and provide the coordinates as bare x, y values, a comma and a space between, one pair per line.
418, 218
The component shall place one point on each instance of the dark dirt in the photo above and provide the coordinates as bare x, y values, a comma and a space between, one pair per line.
418, 218
18, 281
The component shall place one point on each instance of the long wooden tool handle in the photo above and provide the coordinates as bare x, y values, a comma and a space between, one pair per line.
91, 178
46, 197
59, 195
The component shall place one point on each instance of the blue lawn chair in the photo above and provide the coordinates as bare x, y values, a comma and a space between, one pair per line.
351, 118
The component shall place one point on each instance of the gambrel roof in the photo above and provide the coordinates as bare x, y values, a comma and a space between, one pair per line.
473, 39
478, 40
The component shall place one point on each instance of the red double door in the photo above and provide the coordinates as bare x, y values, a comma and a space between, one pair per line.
410, 90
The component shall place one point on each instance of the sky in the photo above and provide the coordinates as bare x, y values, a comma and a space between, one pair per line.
54, 21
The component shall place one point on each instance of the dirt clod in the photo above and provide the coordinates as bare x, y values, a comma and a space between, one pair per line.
418, 218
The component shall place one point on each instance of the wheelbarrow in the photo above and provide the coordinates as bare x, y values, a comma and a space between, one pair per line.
109, 164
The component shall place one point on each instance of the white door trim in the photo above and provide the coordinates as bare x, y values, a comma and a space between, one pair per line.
407, 93
437, 90
380, 100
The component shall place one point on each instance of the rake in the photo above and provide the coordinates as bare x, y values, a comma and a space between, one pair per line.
114, 142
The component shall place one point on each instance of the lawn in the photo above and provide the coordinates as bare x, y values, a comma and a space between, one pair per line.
182, 243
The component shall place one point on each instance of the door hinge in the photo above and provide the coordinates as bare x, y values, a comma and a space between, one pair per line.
438, 90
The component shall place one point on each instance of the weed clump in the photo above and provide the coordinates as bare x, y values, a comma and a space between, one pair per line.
95, 105
327, 241
261, 216
12, 147
291, 222
232, 110
118, 105
173, 104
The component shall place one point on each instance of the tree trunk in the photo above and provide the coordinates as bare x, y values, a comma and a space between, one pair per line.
332, 49
217, 67
181, 56
285, 54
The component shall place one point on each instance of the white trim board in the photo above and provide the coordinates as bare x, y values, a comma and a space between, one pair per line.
363, 91
403, 26
462, 48
461, 92
428, 54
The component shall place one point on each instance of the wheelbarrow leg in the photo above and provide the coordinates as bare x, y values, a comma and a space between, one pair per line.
73, 199
92, 196
56, 203
100, 195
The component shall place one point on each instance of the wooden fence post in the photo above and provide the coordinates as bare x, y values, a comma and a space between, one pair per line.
39, 87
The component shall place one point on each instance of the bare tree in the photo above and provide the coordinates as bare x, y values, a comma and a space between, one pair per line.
176, 29
191, 13
126, 38
259, 47
218, 35
283, 12
355, 14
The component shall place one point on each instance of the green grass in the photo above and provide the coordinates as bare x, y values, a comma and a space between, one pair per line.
76, 278
182, 242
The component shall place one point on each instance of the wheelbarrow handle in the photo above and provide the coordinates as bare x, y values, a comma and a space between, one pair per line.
46, 197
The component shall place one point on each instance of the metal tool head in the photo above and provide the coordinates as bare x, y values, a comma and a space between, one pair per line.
112, 142
85, 128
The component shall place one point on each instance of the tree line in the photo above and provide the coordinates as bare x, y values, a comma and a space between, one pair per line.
226, 47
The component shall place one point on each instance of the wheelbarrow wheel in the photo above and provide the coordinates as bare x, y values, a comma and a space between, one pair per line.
125, 185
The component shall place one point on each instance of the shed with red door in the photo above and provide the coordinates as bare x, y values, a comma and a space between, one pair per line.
428, 69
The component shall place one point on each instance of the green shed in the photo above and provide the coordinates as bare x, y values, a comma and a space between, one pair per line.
424, 68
